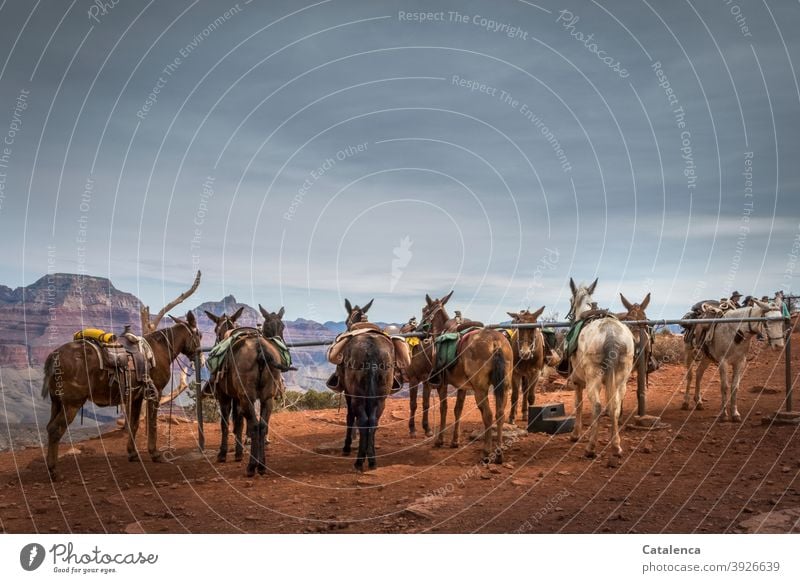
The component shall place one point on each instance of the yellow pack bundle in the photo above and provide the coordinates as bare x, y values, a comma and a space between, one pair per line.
95, 334
412, 341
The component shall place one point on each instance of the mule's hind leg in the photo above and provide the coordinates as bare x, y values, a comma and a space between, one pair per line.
698, 380
516, 387
578, 429
412, 409
593, 390
482, 399
690, 362
224, 421
442, 390
351, 417
60, 417
723, 389
426, 409
152, 430
266, 413
499, 415
134, 413
738, 370
460, 397
238, 427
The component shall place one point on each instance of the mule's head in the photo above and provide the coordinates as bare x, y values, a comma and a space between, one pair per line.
581, 298
773, 329
434, 314
187, 335
356, 314
526, 337
273, 325
224, 324
635, 311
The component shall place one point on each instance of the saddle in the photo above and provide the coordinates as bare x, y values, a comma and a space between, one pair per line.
401, 346
447, 347
699, 335
127, 357
574, 332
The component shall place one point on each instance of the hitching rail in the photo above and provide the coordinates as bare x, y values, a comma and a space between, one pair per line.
642, 370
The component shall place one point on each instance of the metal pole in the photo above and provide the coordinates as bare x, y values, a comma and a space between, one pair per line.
641, 380
198, 399
788, 355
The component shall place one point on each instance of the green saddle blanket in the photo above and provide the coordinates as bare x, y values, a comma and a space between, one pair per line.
447, 348
286, 357
217, 354
571, 339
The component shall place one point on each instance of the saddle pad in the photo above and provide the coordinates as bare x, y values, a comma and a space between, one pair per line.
447, 347
286, 357
217, 354
94, 334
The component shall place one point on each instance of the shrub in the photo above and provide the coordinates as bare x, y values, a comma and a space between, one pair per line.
308, 400
668, 347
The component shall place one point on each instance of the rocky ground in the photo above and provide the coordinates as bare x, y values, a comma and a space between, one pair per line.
697, 475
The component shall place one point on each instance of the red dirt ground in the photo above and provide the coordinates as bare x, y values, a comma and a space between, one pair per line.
696, 476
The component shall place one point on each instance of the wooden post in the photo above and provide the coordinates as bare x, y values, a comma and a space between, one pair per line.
198, 399
788, 355
641, 381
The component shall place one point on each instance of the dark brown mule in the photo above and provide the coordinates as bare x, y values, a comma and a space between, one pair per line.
485, 359
253, 372
224, 324
529, 360
417, 373
367, 371
642, 333
73, 375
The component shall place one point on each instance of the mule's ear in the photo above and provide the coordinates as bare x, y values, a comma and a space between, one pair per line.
514, 315
190, 319
173, 318
428, 299
625, 302
538, 313
367, 306
645, 302
281, 312
237, 314
347, 306
572, 287
590, 289
446, 298
214, 318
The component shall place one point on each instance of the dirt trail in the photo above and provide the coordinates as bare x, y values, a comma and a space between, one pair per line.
696, 476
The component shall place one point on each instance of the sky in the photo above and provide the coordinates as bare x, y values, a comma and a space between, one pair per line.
300, 153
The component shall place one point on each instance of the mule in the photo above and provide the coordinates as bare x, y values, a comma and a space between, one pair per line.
253, 369
74, 374
603, 360
727, 345
642, 334
485, 359
367, 372
417, 374
529, 360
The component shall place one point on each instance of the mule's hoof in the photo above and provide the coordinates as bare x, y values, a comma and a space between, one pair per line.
699, 406
438, 443
736, 418
372, 464
722, 418
133, 457
685, 406
156, 458
454, 445
590, 454
262, 470
498, 459
345, 452
238, 457
485, 460
412, 434
428, 433
250, 472
359, 467
221, 459
574, 437
614, 460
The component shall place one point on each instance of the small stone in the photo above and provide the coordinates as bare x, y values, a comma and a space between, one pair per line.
646, 449
563, 473
494, 470
248, 483
134, 528
486, 477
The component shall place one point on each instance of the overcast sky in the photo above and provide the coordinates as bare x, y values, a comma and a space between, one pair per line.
303, 153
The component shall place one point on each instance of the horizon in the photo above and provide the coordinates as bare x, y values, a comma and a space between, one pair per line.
299, 156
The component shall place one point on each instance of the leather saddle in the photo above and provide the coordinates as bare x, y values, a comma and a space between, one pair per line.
128, 358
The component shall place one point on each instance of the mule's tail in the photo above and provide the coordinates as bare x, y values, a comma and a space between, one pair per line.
498, 374
263, 361
48, 366
613, 350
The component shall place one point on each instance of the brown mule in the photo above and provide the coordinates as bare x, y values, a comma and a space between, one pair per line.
253, 367
642, 333
367, 372
485, 359
418, 373
73, 375
529, 360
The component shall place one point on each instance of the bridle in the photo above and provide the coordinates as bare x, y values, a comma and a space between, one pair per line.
170, 341
763, 325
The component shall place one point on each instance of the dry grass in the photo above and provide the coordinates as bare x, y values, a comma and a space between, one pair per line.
668, 348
